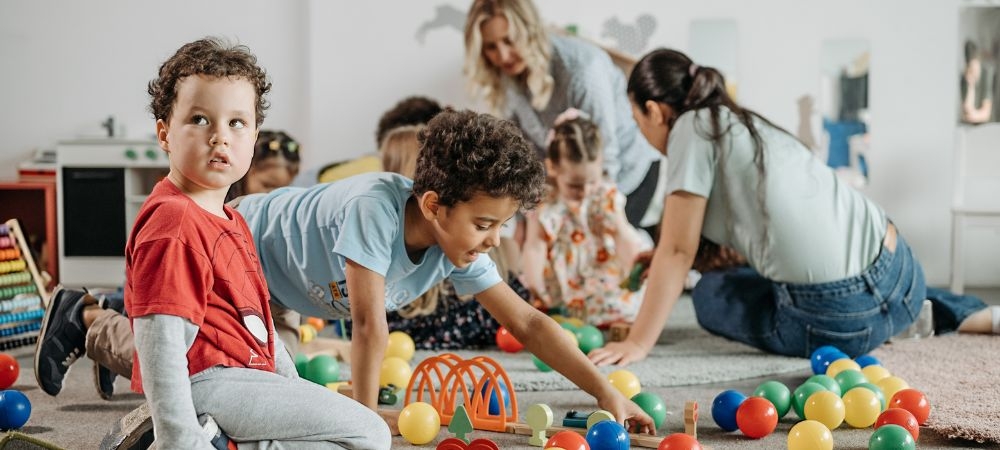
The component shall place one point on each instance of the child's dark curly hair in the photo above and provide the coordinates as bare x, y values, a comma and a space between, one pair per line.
209, 56
463, 153
415, 110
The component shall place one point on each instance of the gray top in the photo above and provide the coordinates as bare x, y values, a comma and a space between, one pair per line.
586, 79
819, 230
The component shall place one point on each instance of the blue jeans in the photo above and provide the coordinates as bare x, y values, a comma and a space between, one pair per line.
856, 314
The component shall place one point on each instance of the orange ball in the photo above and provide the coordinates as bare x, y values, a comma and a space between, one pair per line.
316, 322
507, 342
901, 417
756, 417
913, 401
9, 370
568, 440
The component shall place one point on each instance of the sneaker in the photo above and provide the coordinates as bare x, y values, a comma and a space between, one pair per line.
135, 430
215, 435
104, 381
62, 339
921, 328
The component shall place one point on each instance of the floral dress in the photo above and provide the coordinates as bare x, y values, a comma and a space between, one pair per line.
582, 269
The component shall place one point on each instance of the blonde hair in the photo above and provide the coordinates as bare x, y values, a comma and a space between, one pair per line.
400, 149
529, 38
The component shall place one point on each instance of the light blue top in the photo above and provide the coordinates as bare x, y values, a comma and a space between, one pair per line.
820, 229
304, 237
586, 79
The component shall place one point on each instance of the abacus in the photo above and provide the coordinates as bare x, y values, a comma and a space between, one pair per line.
22, 291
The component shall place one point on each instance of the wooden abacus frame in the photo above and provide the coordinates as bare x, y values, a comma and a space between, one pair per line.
22, 244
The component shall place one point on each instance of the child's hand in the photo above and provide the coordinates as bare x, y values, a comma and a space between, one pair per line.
620, 353
635, 419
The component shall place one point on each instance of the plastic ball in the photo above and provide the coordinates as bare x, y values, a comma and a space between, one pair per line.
827, 382
826, 408
323, 369
540, 364
401, 346
316, 322
818, 358
867, 360
779, 395
576, 322
9, 370
301, 364
679, 441
840, 365
891, 437
724, 409
810, 435
507, 342
419, 423
567, 325
756, 417
901, 417
877, 391
802, 393
395, 371
306, 333
15, 409
588, 338
494, 403
626, 382
608, 435
568, 440
891, 385
913, 401
825, 359
653, 405
849, 378
874, 374
861, 407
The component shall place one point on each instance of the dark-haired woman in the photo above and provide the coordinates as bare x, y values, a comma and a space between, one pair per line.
825, 266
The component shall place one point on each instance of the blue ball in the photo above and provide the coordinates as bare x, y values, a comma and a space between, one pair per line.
825, 359
494, 407
867, 360
724, 409
14, 409
608, 435
819, 355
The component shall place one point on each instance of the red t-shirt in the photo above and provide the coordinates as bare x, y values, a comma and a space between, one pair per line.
184, 261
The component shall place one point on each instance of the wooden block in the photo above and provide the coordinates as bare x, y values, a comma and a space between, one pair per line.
539, 418
691, 418
619, 331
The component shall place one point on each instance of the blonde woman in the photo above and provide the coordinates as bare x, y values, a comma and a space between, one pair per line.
529, 76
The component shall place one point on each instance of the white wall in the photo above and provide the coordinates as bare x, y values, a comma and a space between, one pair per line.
337, 66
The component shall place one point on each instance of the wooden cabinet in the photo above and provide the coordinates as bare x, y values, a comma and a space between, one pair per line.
33, 204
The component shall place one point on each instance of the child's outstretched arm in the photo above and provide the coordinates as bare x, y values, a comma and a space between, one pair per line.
370, 331
683, 215
533, 258
162, 342
543, 337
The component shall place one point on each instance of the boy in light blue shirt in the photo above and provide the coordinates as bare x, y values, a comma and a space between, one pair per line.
375, 242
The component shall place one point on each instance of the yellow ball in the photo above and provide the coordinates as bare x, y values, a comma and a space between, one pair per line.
572, 335
841, 365
395, 371
826, 408
559, 318
891, 385
874, 373
576, 322
861, 407
400, 345
810, 435
419, 423
626, 382
307, 333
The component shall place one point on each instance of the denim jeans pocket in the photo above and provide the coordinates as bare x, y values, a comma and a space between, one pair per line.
853, 343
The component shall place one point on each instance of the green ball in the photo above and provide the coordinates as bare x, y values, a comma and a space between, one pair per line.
540, 365
301, 362
779, 395
891, 437
826, 381
588, 337
568, 326
653, 405
877, 390
323, 369
802, 394
849, 378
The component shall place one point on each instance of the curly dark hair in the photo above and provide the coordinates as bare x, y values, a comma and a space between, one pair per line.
415, 110
209, 56
463, 153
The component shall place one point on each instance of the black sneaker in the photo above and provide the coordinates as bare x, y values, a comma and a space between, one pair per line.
104, 381
215, 434
62, 339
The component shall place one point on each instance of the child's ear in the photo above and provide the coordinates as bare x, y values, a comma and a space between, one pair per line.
661, 113
429, 204
161, 135
550, 167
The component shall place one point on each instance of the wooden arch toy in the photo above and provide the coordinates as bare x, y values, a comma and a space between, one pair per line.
472, 382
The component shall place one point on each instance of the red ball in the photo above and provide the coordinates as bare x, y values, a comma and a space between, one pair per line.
9, 370
679, 441
568, 440
756, 417
507, 342
901, 417
913, 401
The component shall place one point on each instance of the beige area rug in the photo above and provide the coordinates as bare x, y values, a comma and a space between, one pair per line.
959, 374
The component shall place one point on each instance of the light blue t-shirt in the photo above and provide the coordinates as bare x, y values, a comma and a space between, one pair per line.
304, 237
818, 228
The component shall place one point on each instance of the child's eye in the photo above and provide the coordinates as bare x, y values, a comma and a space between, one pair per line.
482, 227
238, 123
199, 120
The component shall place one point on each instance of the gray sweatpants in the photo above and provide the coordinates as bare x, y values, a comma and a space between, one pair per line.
310, 415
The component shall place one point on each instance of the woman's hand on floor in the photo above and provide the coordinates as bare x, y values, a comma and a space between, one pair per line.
620, 353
